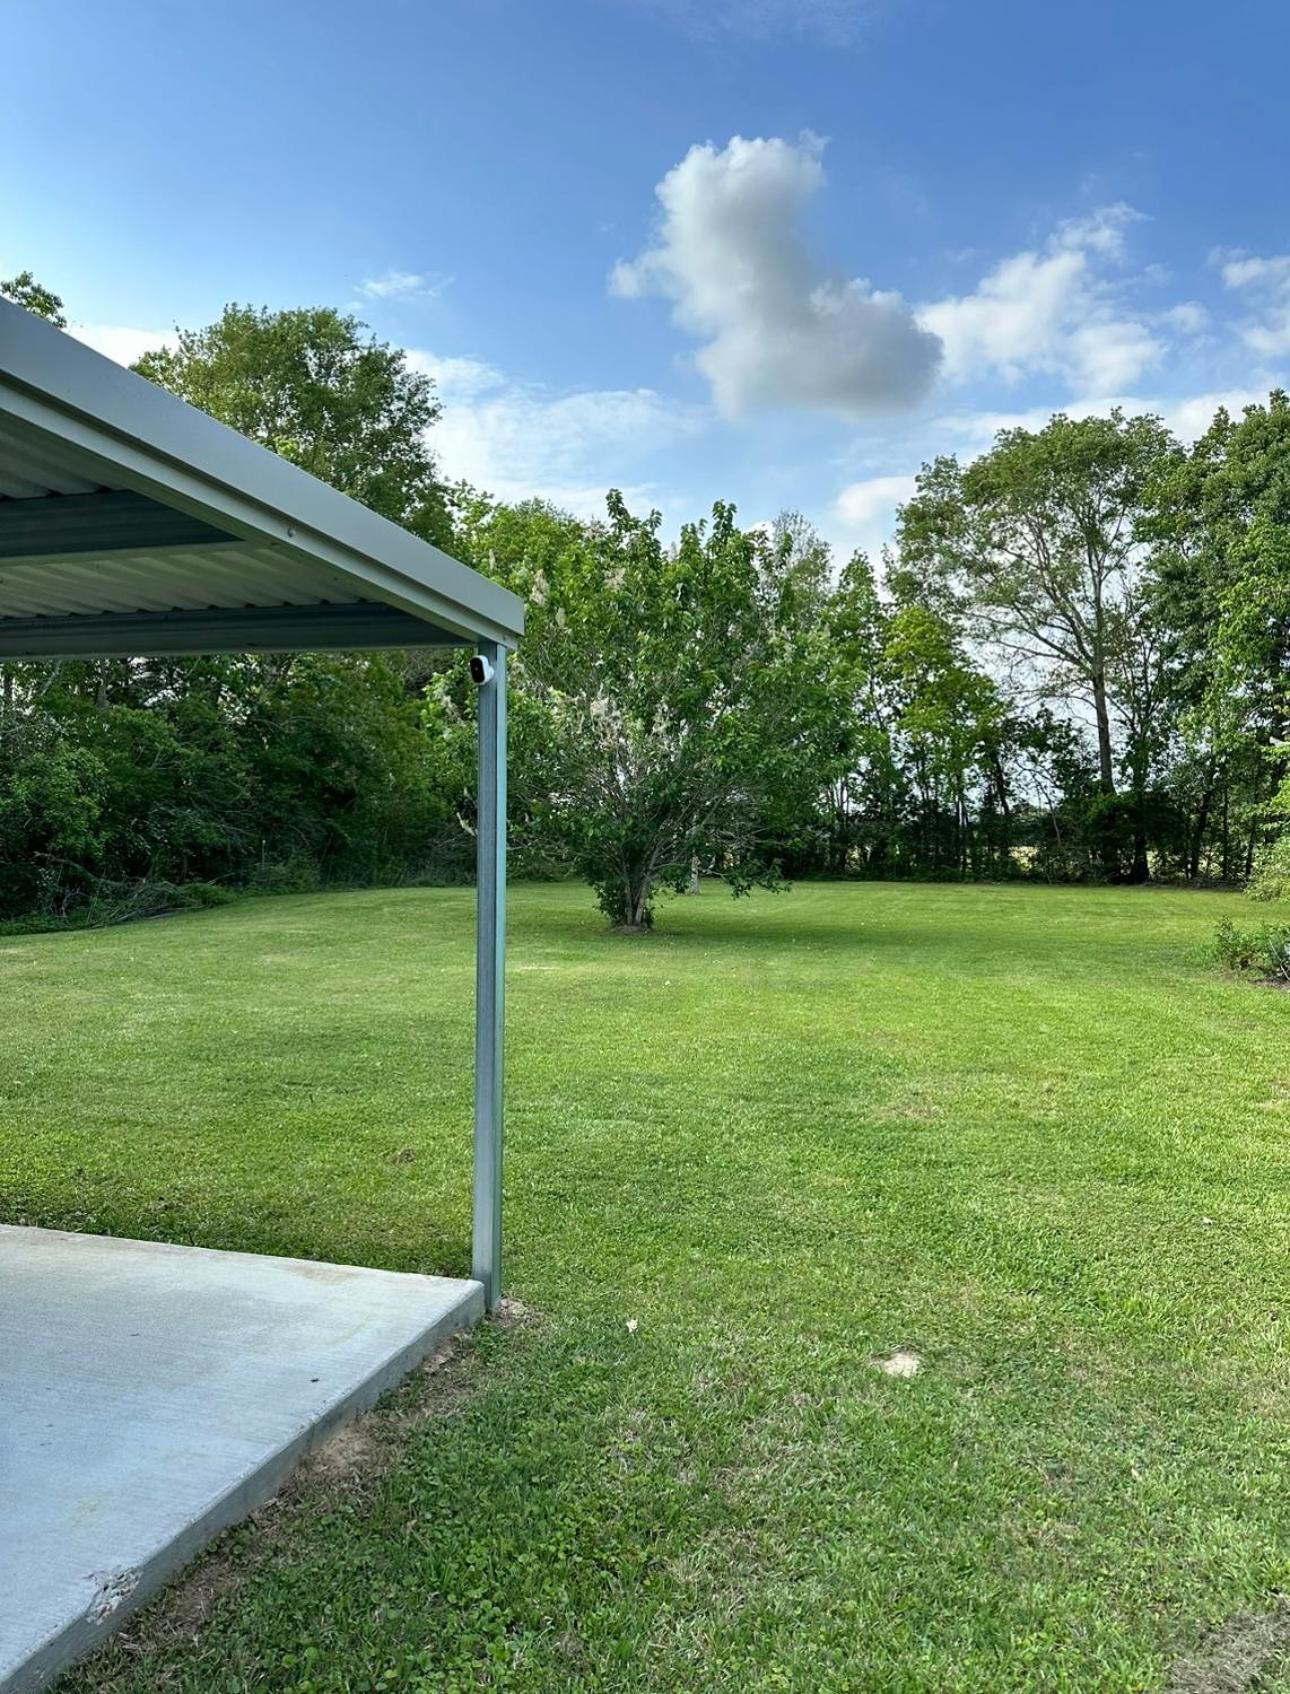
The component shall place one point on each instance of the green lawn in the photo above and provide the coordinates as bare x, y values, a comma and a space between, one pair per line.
1026, 1134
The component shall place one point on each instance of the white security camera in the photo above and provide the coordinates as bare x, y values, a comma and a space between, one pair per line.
480, 670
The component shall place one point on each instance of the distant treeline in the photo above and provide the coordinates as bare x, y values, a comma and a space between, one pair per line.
1074, 664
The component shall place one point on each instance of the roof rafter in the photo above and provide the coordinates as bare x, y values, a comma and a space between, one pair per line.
263, 629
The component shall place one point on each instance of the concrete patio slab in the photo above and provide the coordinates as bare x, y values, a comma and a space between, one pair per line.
152, 1395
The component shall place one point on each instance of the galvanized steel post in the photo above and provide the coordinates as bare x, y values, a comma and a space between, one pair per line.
490, 965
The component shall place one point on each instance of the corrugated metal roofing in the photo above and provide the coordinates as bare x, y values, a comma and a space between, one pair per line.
165, 579
28, 470
259, 534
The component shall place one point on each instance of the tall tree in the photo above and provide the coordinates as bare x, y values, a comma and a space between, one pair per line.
316, 387
1036, 542
1219, 524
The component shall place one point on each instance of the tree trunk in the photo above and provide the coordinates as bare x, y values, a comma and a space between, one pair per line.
1005, 811
1140, 871
694, 873
636, 900
1106, 777
1105, 759
1198, 835
1226, 860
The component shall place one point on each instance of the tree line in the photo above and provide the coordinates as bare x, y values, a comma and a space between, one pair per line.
1073, 663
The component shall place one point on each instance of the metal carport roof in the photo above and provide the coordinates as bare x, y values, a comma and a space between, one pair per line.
131, 523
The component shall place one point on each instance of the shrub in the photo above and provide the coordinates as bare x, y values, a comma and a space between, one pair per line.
113, 903
296, 873
1271, 879
1264, 950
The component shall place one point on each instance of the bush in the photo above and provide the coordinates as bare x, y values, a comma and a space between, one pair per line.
297, 873
1271, 879
114, 903
1264, 950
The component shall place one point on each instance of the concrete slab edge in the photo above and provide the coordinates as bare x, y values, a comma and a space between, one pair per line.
133, 1589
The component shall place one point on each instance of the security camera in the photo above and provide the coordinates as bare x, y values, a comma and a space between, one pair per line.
480, 670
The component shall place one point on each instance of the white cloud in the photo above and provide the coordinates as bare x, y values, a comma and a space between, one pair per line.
1099, 231
403, 285
866, 510
1267, 282
1187, 416
459, 377
1189, 317
519, 440
1050, 312
1190, 416
122, 342
777, 331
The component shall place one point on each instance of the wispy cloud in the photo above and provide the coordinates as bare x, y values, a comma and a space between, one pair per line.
123, 342
865, 511
1266, 283
1050, 311
970, 432
404, 285
520, 440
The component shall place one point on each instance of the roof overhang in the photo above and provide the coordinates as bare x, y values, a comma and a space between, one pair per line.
132, 523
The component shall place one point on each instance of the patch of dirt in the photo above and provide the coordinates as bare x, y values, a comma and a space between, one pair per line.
191, 1601
1235, 1658
351, 1454
902, 1364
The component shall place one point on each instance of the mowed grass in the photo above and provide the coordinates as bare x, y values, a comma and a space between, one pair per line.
1027, 1134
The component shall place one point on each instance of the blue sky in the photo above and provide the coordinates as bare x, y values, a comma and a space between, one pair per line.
778, 251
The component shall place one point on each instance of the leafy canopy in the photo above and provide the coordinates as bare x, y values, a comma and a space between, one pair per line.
316, 387
666, 696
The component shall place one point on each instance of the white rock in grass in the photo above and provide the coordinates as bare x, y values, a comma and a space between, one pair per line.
901, 1364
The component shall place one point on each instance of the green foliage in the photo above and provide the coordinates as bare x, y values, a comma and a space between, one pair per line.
1034, 545
316, 387
25, 291
1077, 667
1271, 879
1265, 949
125, 783
667, 698
1218, 525
282, 772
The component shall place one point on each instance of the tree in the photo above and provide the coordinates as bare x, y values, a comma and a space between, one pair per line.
1219, 525
24, 290
950, 723
678, 700
1036, 543
314, 386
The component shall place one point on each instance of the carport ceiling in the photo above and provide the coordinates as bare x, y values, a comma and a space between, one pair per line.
131, 523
